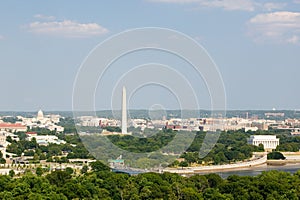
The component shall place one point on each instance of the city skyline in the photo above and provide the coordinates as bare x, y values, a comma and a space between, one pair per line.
255, 45
150, 99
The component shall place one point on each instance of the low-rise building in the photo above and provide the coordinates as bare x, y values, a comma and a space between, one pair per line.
251, 128
56, 128
17, 127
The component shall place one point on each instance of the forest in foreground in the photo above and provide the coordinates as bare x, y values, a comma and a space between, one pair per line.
100, 183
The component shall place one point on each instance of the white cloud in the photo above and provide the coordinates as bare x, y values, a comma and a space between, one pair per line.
273, 6
246, 5
1, 37
44, 17
279, 27
66, 28
243, 5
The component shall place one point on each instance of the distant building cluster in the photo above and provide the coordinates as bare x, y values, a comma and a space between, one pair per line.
95, 121
198, 124
274, 114
177, 124
190, 124
40, 121
292, 125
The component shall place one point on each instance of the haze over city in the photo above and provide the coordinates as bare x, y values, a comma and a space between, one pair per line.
255, 45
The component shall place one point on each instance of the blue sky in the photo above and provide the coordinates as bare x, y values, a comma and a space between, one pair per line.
255, 44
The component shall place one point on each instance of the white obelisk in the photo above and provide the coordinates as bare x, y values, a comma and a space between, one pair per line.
124, 112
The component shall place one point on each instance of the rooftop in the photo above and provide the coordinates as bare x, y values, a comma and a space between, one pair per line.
9, 125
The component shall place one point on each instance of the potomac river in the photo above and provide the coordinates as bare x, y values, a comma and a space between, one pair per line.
292, 168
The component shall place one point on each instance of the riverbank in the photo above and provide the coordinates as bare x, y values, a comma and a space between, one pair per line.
282, 162
290, 158
218, 168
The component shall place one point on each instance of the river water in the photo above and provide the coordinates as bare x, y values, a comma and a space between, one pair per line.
292, 168
254, 171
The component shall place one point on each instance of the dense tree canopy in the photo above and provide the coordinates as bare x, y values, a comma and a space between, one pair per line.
231, 146
99, 166
109, 185
138, 144
275, 155
11, 120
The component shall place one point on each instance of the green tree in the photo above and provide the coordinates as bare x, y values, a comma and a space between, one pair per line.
275, 155
190, 194
214, 180
175, 163
69, 170
9, 139
261, 147
11, 173
113, 129
36, 157
2, 160
58, 178
183, 164
200, 182
6, 195
99, 166
84, 169
39, 171
214, 194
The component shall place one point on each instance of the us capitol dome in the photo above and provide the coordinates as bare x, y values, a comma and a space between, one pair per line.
40, 115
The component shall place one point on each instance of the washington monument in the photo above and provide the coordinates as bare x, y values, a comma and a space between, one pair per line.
124, 112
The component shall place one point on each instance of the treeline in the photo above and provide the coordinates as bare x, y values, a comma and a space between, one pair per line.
288, 143
11, 120
231, 146
142, 145
69, 125
103, 184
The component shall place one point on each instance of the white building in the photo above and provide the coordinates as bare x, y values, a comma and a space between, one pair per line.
43, 121
40, 115
251, 128
269, 141
55, 128
3, 144
45, 139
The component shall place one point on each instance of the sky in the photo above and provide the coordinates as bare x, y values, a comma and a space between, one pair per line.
255, 45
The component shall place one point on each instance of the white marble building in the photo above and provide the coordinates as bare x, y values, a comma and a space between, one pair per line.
270, 142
